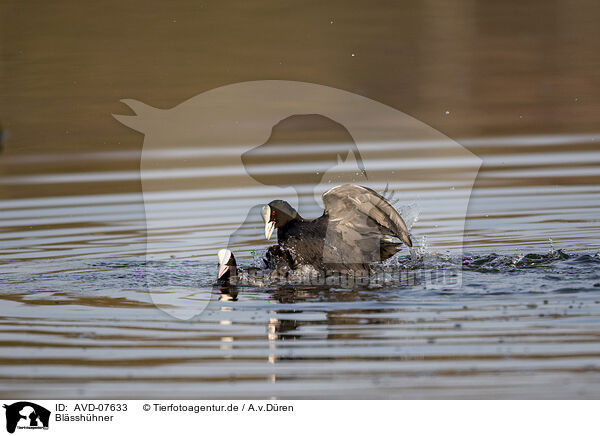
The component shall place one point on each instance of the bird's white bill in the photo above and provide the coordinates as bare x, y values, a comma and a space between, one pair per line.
222, 270
223, 255
266, 213
269, 227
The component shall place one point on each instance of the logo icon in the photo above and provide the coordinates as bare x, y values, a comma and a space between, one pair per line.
26, 415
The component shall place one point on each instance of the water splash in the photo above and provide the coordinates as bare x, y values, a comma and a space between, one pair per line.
410, 214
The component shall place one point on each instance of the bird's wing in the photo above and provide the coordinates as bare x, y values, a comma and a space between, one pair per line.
358, 207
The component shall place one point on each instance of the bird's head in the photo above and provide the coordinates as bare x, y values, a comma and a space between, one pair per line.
227, 264
277, 214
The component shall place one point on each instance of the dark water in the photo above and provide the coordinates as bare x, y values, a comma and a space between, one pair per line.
516, 83
78, 319
524, 326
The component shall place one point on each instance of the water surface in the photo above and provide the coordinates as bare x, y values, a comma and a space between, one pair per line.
78, 320
516, 82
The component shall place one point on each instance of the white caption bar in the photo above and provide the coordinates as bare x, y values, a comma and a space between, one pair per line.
249, 417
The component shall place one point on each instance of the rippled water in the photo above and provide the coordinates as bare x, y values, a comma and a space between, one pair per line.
78, 321
515, 82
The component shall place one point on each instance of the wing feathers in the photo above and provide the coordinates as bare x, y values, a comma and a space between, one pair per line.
343, 202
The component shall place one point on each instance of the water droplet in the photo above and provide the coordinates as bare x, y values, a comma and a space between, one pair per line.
552, 250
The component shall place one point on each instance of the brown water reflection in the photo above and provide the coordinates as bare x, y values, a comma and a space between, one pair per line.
65, 70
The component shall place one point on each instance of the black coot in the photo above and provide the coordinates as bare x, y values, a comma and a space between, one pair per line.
227, 276
357, 228
276, 259
227, 267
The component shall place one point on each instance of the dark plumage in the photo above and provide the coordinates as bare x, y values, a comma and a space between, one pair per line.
358, 227
277, 258
229, 275
227, 268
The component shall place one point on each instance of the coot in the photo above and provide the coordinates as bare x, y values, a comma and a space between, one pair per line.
357, 228
227, 267
276, 259
227, 276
